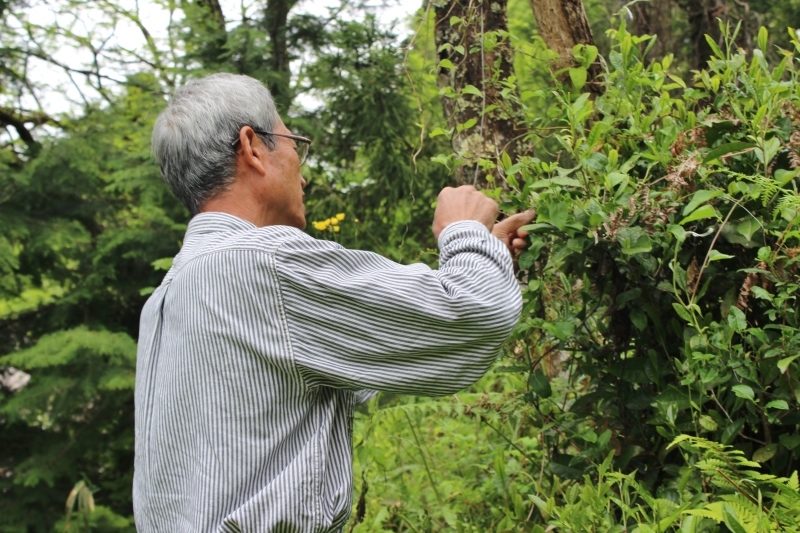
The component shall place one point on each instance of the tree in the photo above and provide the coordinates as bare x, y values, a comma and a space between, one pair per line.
655, 17
475, 63
88, 225
562, 24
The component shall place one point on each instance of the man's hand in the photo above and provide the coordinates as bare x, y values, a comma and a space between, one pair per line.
508, 231
463, 203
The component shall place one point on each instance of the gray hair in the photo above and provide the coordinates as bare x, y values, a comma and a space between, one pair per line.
193, 136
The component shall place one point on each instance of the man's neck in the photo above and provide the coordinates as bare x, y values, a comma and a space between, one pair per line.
239, 205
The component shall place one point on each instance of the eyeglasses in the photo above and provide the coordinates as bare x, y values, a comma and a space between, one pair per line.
301, 144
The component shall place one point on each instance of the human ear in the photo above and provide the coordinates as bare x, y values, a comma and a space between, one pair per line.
251, 151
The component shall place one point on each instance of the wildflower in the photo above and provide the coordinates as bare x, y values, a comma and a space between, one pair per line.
321, 225
335, 229
340, 216
333, 221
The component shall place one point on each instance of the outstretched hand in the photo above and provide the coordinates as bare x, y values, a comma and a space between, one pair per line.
507, 230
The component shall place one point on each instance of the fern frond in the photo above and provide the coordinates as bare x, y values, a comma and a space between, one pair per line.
713, 514
766, 188
788, 205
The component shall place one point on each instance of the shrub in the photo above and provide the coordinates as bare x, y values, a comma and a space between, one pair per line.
660, 290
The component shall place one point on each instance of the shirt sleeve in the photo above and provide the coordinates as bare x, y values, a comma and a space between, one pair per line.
360, 321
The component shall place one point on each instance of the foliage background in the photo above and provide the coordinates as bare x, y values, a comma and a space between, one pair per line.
661, 315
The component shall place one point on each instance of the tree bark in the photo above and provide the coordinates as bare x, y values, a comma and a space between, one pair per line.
275, 23
562, 24
702, 16
483, 66
207, 23
215, 10
655, 18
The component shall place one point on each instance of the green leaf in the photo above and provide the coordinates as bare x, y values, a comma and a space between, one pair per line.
726, 149
505, 161
785, 176
467, 125
790, 441
736, 319
558, 214
564, 471
539, 384
700, 197
714, 255
771, 148
777, 404
708, 423
728, 514
765, 453
743, 391
616, 60
526, 260
762, 39
627, 296
678, 232
162, 264
613, 179
436, 132
454, 20
446, 63
643, 244
471, 89
590, 54
578, 77
639, 319
731, 431
784, 363
714, 48
748, 227
706, 211
760, 293
682, 312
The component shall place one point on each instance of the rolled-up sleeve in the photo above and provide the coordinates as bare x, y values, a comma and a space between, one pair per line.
360, 321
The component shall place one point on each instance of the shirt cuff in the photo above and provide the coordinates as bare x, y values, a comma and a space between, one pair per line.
451, 231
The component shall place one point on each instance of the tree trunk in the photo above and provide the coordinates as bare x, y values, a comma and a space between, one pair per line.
655, 18
562, 24
213, 22
215, 10
482, 66
275, 19
702, 16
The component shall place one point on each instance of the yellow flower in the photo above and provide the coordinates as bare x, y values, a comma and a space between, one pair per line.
320, 225
340, 216
335, 229
334, 221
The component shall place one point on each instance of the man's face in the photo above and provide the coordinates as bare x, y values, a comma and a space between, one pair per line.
283, 194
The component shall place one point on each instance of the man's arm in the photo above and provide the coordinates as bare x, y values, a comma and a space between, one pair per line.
360, 321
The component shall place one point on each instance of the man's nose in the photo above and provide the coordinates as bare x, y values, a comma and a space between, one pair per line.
302, 182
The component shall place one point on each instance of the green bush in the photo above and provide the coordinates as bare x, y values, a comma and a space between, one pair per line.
663, 261
660, 290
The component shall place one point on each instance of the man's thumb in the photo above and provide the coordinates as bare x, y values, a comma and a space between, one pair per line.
515, 221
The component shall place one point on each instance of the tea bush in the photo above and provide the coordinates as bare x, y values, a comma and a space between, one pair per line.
663, 262
661, 306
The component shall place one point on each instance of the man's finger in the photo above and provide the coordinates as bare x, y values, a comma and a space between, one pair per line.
520, 219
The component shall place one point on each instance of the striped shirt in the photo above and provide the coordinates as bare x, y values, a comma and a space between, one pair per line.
258, 344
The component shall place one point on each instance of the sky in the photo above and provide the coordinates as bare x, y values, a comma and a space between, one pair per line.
59, 94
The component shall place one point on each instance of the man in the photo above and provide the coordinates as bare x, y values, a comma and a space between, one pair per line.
261, 340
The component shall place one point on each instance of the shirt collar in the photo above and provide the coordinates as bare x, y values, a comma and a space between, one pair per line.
216, 222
